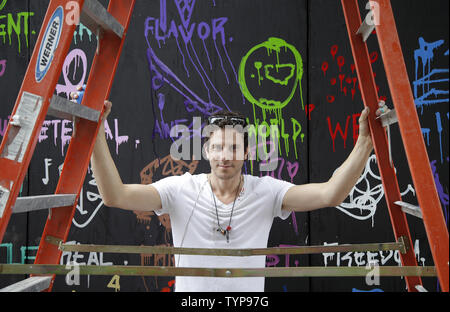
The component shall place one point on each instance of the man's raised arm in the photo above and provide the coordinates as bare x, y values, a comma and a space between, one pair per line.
314, 196
113, 192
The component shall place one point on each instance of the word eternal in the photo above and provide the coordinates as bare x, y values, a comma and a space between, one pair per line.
66, 129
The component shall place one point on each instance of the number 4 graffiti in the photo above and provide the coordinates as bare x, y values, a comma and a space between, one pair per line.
114, 283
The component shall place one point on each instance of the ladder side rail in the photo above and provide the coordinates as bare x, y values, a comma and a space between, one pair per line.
81, 145
370, 97
415, 148
14, 170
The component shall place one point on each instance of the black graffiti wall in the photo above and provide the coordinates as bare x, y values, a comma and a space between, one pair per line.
286, 63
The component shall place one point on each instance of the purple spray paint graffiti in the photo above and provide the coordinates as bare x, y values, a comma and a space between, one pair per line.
207, 98
443, 196
2, 67
75, 62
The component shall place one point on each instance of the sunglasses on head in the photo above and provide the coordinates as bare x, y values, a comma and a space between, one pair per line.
213, 120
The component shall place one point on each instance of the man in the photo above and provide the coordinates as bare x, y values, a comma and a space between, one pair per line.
226, 209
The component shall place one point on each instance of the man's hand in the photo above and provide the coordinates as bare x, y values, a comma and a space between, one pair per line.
307, 197
77, 96
107, 110
364, 131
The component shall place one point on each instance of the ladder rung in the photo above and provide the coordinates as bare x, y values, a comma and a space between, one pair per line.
366, 29
63, 108
95, 16
32, 203
410, 209
388, 118
31, 284
420, 288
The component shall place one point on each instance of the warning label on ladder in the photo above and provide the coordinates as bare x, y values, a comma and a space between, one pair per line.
23, 123
4, 195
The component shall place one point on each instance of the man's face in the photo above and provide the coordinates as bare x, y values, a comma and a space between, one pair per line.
226, 152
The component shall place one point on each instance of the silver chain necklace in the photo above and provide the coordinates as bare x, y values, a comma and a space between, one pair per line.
225, 232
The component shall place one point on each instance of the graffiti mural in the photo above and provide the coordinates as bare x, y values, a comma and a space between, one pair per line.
279, 64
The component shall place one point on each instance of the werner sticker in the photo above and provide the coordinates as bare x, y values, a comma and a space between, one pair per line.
49, 43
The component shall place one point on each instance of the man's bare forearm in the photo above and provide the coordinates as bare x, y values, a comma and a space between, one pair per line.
106, 175
346, 176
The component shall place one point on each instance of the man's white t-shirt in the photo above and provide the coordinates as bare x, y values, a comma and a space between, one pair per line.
188, 199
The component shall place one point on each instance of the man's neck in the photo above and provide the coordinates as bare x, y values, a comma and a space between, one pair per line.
225, 187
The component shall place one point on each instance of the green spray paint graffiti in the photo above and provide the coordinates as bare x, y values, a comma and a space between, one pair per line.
8, 253
269, 75
293, 69
24, 256
15, 23
80, 31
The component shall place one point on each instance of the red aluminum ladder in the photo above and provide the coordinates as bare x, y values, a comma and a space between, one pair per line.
381, 19
36, 100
